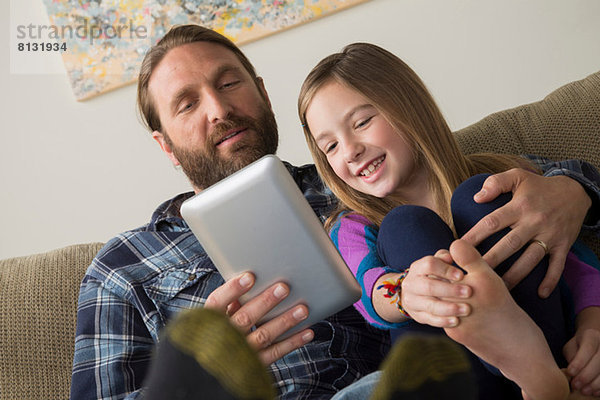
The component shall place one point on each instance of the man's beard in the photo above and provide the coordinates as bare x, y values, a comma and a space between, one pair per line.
205, 167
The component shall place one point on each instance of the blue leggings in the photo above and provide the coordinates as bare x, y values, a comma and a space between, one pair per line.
409, 233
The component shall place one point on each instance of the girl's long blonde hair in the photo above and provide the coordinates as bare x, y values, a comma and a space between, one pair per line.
399, 94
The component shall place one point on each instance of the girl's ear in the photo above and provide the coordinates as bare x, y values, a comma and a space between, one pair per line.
165, 146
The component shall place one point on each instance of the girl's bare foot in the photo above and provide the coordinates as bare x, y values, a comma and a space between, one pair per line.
501, 333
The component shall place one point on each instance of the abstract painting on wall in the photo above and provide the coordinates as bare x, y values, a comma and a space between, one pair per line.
105, 40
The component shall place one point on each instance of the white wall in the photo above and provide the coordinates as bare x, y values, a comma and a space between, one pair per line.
75, 172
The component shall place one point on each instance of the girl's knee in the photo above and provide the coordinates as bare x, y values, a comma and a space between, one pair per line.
469, 187
465, 211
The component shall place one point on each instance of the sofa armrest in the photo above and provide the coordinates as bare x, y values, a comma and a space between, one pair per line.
37, 321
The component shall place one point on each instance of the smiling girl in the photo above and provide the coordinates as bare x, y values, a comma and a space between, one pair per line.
406, 192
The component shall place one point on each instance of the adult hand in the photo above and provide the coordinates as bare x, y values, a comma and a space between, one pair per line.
226, 299
432, 293
582, 353
548, 209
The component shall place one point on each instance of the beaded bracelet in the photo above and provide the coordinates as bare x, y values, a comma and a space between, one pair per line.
393, 291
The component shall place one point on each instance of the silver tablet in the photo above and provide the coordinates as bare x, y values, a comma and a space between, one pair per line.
258, 220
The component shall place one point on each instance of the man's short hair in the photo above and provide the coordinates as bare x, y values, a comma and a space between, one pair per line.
177, 36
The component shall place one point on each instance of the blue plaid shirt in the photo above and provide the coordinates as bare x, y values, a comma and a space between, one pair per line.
143, 277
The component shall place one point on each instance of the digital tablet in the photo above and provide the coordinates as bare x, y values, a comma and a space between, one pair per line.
258, 220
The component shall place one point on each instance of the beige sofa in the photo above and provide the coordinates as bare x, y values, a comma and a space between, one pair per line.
38, 293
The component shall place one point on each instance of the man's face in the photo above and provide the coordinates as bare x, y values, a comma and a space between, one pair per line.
215, 118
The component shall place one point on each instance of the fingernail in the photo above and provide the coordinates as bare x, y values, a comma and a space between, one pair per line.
463, 310
479, 194
280, 292
464, 291
456, 276
300, 314
246, 280
545, 292
453, 322
308, 336
576, 384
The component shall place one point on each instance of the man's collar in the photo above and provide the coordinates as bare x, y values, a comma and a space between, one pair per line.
168, 213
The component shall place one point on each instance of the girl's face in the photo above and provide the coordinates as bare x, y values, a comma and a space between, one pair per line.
363, 149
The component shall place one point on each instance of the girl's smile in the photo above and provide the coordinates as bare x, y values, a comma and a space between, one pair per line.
372, 167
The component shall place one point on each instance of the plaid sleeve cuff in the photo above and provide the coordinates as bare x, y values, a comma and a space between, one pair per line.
584, 173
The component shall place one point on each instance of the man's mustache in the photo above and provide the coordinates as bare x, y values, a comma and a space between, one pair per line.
221, 130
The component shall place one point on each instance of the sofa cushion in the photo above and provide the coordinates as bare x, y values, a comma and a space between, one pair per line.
37, 321
564, 125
